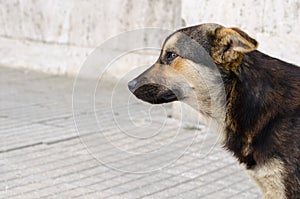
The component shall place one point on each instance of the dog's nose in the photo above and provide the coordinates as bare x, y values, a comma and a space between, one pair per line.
132, 85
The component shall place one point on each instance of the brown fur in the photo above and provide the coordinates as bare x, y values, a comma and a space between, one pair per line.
229, 46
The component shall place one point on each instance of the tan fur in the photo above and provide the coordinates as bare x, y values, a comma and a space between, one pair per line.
172, 40
269, 178
237, 43
206, 95
241, 41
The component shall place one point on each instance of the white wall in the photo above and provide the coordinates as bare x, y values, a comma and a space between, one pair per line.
56, 36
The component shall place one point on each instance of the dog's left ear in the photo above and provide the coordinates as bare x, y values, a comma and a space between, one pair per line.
229, 46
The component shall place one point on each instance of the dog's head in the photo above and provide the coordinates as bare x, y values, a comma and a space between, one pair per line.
189, 58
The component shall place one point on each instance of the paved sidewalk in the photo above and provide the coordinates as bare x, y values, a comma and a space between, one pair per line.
116, 149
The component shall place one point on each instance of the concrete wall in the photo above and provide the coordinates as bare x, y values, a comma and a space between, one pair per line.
56, 36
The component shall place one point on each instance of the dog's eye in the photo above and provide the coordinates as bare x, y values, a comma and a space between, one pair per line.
170, 56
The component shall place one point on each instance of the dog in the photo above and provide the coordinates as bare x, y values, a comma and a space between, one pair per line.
260, 121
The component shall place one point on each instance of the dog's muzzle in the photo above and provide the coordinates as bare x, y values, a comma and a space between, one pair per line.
152, 93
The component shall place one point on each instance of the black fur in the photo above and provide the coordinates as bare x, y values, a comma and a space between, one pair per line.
266, 106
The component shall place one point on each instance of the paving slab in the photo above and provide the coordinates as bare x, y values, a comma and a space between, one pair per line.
116, 147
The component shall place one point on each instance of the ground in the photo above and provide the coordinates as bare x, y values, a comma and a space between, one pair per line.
50, 150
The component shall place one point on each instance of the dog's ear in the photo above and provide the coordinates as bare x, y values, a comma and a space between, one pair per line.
229, 46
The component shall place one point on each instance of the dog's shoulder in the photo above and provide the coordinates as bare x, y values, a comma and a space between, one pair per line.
263, 106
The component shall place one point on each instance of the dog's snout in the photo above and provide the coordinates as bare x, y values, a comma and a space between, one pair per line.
132, 85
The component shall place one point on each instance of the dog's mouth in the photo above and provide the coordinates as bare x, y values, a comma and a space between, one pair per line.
155, 94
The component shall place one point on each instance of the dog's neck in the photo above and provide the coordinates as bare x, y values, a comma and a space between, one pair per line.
254, 99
